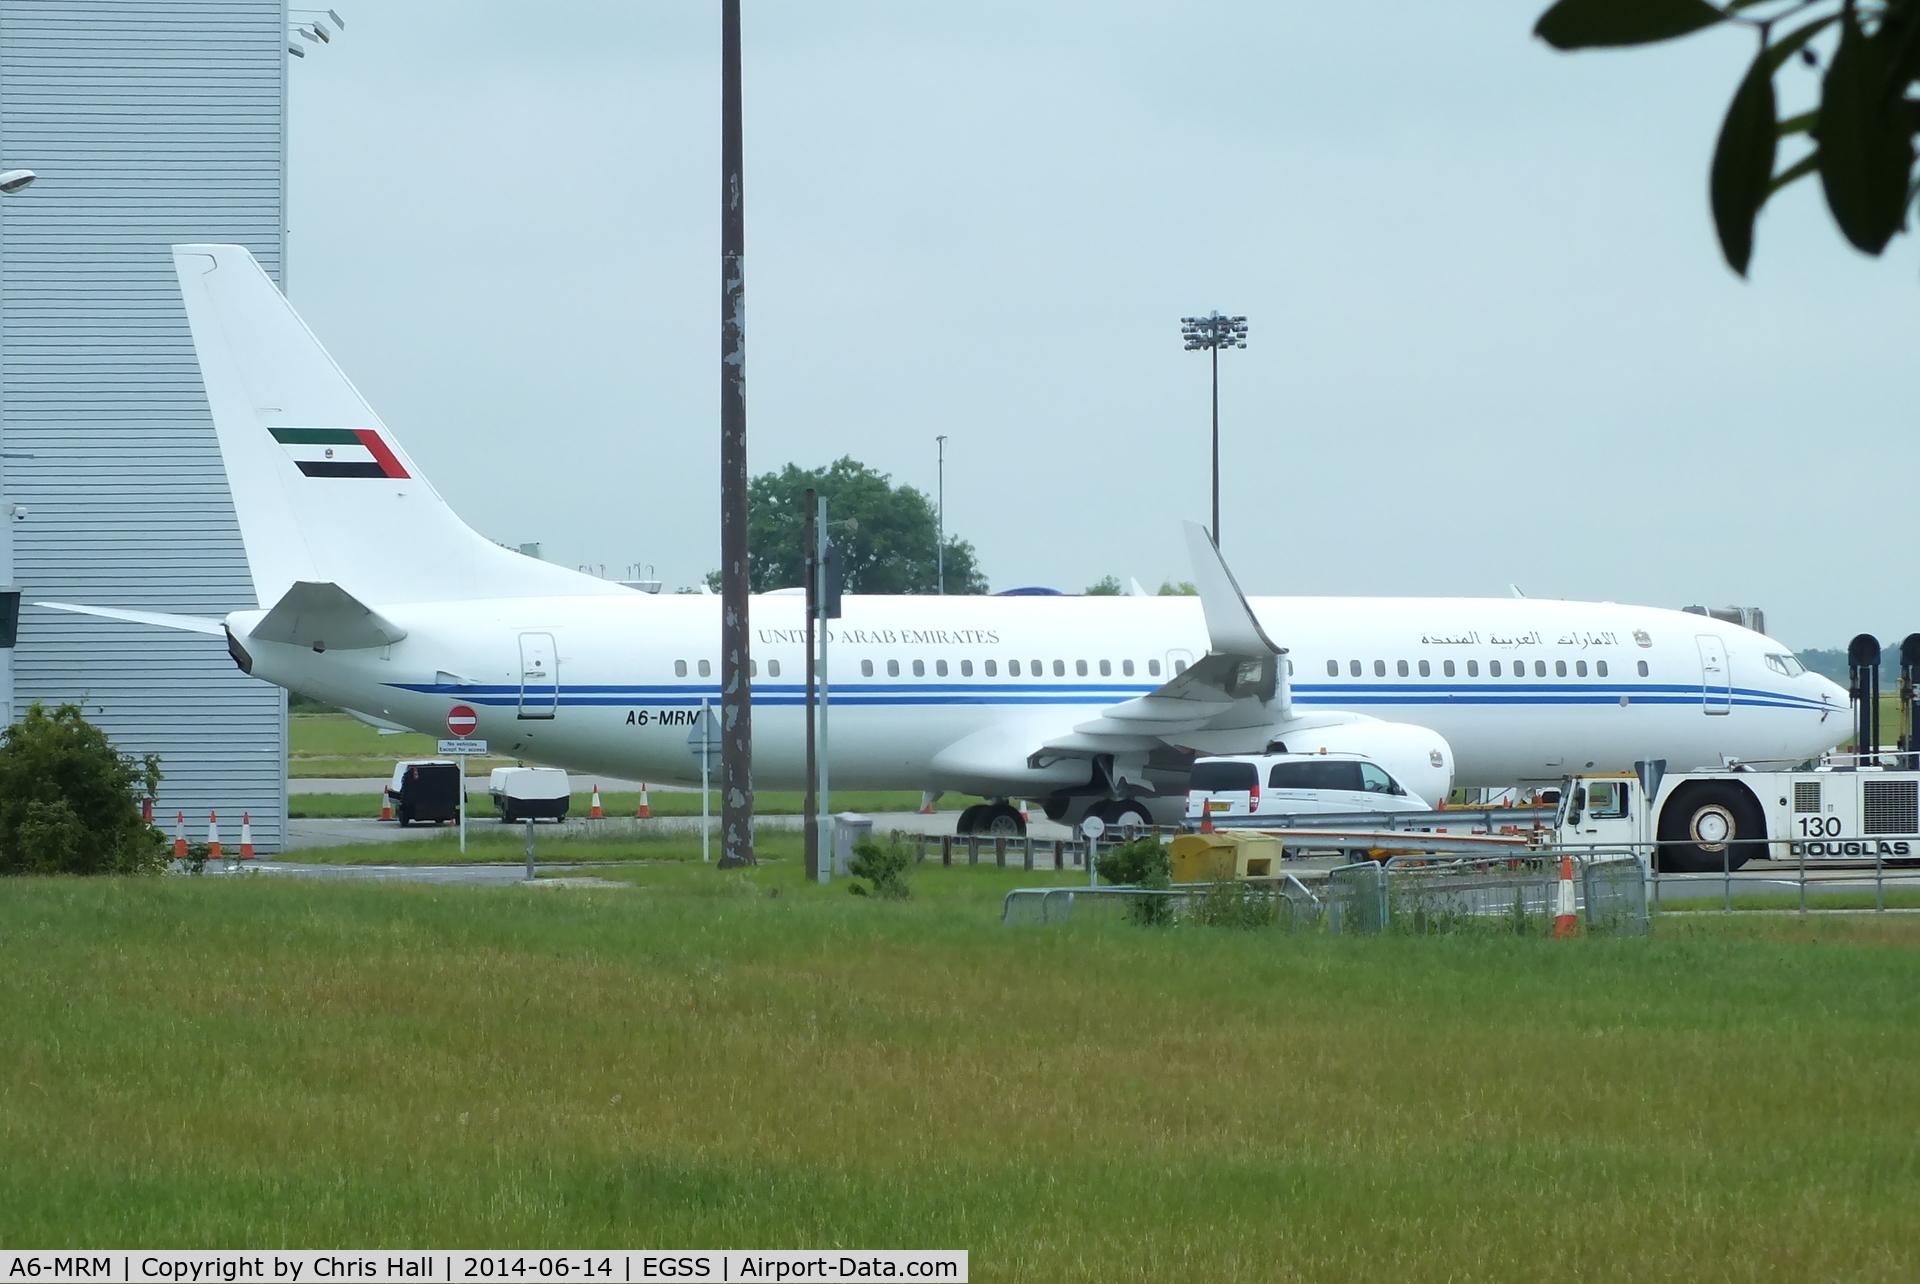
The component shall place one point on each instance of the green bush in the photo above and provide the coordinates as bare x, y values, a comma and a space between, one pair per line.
1143, 863
884, 865
70, 803
1229, 903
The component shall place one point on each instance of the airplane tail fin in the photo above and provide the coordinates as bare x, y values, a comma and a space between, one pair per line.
323, 492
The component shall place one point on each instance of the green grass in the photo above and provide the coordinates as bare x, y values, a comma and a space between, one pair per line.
765, 802
339, 745
717, 1059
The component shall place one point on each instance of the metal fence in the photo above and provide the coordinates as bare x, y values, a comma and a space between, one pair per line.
1513, 895
1284, 903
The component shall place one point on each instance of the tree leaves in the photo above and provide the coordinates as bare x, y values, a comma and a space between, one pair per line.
1599, 24
1866, 148
1742, 173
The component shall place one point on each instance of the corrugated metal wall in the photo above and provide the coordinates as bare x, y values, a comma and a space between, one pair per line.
149, 122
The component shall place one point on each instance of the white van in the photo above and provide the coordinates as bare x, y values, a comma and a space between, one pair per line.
527, 793
1280, 784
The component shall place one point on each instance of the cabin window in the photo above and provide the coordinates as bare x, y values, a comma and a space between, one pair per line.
1401, 668
1493, 668
1153, 668
1353, 668
1037, 669
1426, 670
966, 668
893, 668
1379, 668
1333, 668
773, 668
991, 667
939, 668
1520, 669
1013, 668
1179, 666
1579, 668
1126, 668
1473, 668
1540, 669
1446, 668
1080, 668
919, 668
679, 668
1559, 668
1600, 667
706, 670
866, 668
1643, 668
1289, 668
753, 668
1106, 668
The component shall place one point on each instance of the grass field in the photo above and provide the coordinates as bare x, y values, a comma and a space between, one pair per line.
339, 745
714, 1059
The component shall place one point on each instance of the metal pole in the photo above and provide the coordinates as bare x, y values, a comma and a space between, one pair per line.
736, 690
826, 700
1879, 880
1216, 436
706, 781
810, 821
940, 511
1803, 876
529, 849
463, 802
1726, 877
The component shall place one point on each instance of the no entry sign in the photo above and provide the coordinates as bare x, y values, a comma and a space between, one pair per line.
462, 721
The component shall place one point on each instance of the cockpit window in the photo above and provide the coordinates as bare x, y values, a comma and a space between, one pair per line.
1786, 665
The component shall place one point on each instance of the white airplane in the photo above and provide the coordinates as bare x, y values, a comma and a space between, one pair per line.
374, 596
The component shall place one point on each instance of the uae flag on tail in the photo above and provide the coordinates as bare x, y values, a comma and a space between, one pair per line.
339, 452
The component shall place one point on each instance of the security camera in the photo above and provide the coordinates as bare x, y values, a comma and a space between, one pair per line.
18, 512
14, 180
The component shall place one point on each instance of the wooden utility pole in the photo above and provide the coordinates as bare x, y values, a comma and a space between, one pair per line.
736, 638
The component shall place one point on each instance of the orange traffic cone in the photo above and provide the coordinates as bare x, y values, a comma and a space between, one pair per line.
180, 835
146, 811
645, 810
246, 835
1565, 921
213, 835
386, 805
1206, 821
594, 812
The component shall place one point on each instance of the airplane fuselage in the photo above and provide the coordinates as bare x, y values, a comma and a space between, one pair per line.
1521, 689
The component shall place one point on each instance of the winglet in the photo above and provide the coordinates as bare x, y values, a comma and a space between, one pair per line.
1232, 628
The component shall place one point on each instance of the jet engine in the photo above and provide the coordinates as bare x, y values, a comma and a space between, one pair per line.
1418, 757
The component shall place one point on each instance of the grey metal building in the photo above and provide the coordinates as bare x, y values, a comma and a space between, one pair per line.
149, 123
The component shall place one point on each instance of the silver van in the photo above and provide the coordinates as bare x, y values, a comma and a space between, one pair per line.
1280, 784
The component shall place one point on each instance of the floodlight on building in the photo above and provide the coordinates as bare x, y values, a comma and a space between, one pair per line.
296, 51
13, 180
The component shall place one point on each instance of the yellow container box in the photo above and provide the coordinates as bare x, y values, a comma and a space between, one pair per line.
1224, 854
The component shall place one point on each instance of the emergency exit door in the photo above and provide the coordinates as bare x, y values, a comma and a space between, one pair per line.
1716, 688
539, 676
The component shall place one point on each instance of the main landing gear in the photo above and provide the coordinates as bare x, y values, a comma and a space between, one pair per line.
997, 819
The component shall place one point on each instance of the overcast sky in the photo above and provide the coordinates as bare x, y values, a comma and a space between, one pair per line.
1491, 341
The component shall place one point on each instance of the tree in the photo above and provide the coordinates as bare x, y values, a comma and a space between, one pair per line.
1184, 588
70, 803
890, 548
1860, 135
1107, 586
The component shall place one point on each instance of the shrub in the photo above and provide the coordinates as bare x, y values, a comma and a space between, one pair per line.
1143, 863
882, 864
70, 803
1229, 903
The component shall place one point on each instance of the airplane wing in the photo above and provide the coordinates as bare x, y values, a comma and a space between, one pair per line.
1231, 701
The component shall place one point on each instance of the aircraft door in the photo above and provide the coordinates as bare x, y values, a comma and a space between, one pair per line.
1178, 662
1716, 687
539, 676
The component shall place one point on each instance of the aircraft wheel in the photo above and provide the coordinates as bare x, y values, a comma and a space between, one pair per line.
969, 819
1709, 826
1002, 821
1128, 812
